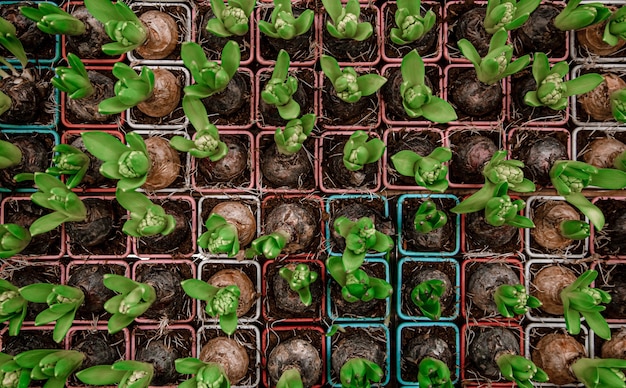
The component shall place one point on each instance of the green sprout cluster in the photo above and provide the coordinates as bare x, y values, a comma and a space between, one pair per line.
283, 24
598, 373
513, 300
121, 25
428, 217
359, 150
360, 373
205, 374
71, 162
345, 23
434, 373
12, 307
281, 87
221, 302
427, 297
230, 19
299, 280
348, 85
576, 16
53, 20
220, 236
520, 370
125, 373
268, 246
429, 171
412, 26
210, 77
290, 140
133, 299
508, 14
615, 29
146, 218
130, 89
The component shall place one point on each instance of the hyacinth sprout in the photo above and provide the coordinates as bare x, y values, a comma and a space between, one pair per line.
428, 217
74, 79
210, 77
412, 26
10, 155
11, 375
552, 91
221, 302
429, 171
299, 280
417, 98
129, 164
600, 373
133, 300
358, 285
290, 378
71, 162
508, 14
360, 373
268, 246
427, 297
615, 29
344, 23
348, 85
13, 239
513, 300
12, 307
207, 143
290, 139
575, 229
204, 374
9, 40
220, 236
146, 217
53, 20
283, 24
520, 370
230, 19
50, 365
361, 236
281, 87
618, 105
125, 373
497, 64
576, 16
130, 89
434, 373
359, 150
121, 25
502, 210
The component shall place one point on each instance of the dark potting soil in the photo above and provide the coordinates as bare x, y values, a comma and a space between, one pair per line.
210, 269
426, 46
232, 106
349, 50
539, 150
280, 171
180, 241
28, 340
87, 45
522, 83
422, 142
212, 44
85, 110
335, 111
36, 156
418, 342
334, 173
472, 99
538, 34
481, 281
482, 237
354, 342
161, 350
471, 149
466, 21
92, 179
33, 96
415, 272
312, 376
177, 116
612, 279
232, 170
301, 48
439, 240
375, 308
611, 240
89, 279
31, 274
99, 347
24, 213
37, 44
390, 91
281, 302
180, 17
483, 345
172, 303
304, 96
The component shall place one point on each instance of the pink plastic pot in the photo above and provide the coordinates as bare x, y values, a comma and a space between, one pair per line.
602, 242
518, 113
611, 279
451, 13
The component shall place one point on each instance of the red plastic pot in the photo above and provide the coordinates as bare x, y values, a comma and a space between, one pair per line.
546, 117
7, 343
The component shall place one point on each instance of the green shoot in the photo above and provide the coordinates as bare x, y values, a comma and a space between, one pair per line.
615, 29
520, 370
73, 80
12, 307
434, 373
11, 374
618, 105
220, 237
9, 41
290, 378
283, 24
50, 365
576, 16
600, 373
221, 302
429, 171
5, 104
69, 161
268, 246
356, 285
344, 23
13, 239
125, 373
428, 217
231, 19
360, 236
10, 155
204, 374
513, 300
359, 151
132, 301
411, 25
360, 373
146, 218
575, 229
121, 25
348, 85
53, 20
289, 141
210, 77
508, 14
427, 296
281, 87
130, 89
299, 281
501, 210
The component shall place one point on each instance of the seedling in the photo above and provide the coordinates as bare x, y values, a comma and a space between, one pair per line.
502, 210
210, 77
576, 16
427, 296
520, 370
73, 80
220, 237
71, 162
497, 64
434, 373
359, 151
268, 246
428, 217
575, 229
299, 281
10, 155
121, 25
599, 373
146, 218
231, 19
283, 24
130, 89
513, 300
53, 20
12, 308
417, 98
618, 105
125, 373
290, 378
50, 365
361, 236
289, 141
411, 25
221, 302
429, 171
13, 239
508, 14
344, 23
205, 374
281, 87
615, 29
552, 90
11, 373
132, 301
8, 39
360, 373
348, 85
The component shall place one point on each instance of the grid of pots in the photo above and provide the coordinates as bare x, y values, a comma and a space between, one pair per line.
393, 330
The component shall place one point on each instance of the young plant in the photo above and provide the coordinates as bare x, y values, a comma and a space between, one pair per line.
599, 373
11, 374
129, 164
125, 373
350, 86
501, 210
13, 239
513, 300
50, 365
121, 25
360, 373
411, 25
360, 236
576, 16
221, 302
417, 98
10, 155
520, 370
146, 218
434, 373
220, 237
210, 77
268, 246
497, 64
359, 286
281, 88
283, 24
508, 14
575, 229
618, 105
73, 80
429, 171
63, 301
552, 91
359, 151
289, 141
132, 301
299, 281
427, 296
428, 217
12, 307
231, 19
53, 20
205, 374
9, 40
580, 299
615, 29
71, 162
344, 23
290, 378
130, 89
207, 143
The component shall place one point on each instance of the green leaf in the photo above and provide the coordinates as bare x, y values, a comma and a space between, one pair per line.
100, 375
370, 83
592, 212
228, 323
36, 293
331, 68
62, 327
231, 57
47, 223
469, 51
405, 162
198, 289
188, 365
438, 110
583, 84
333, 8
103, 145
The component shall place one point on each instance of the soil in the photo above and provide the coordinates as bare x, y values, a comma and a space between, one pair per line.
335, 111
99, 347
281, 171
487, 343
439, 240
555, 352
87, 45
281, 302
24, 213
37, 44
241, 212
231, 171
212, 44
306, 234
466, 21
300, 49
177, 116
357, 342
522, 83
180, 241
425, 46
31, 274
92, 179
422, 142
246, 308
29, 340
612, 279
471, 151
301, 349
482, 237
32, 96
538, 34
89, 279
482, 281
418, 342
36, 155
304, 96
350, 50
233, 105
161, 350
335, 175
179, 14
415, 272
539, 150
611, 240
472, 99
171, 303
375, 308
85, 110
390, 91
546, 236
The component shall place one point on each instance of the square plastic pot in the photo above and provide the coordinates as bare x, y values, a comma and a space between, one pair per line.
479, 237
28, 334
601, 348
182, 181
418, 334
611, 279
607, 243
377, 332
582, 53
452, 12
598, 146
413, 269
520, 114
579, 115
331, 149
